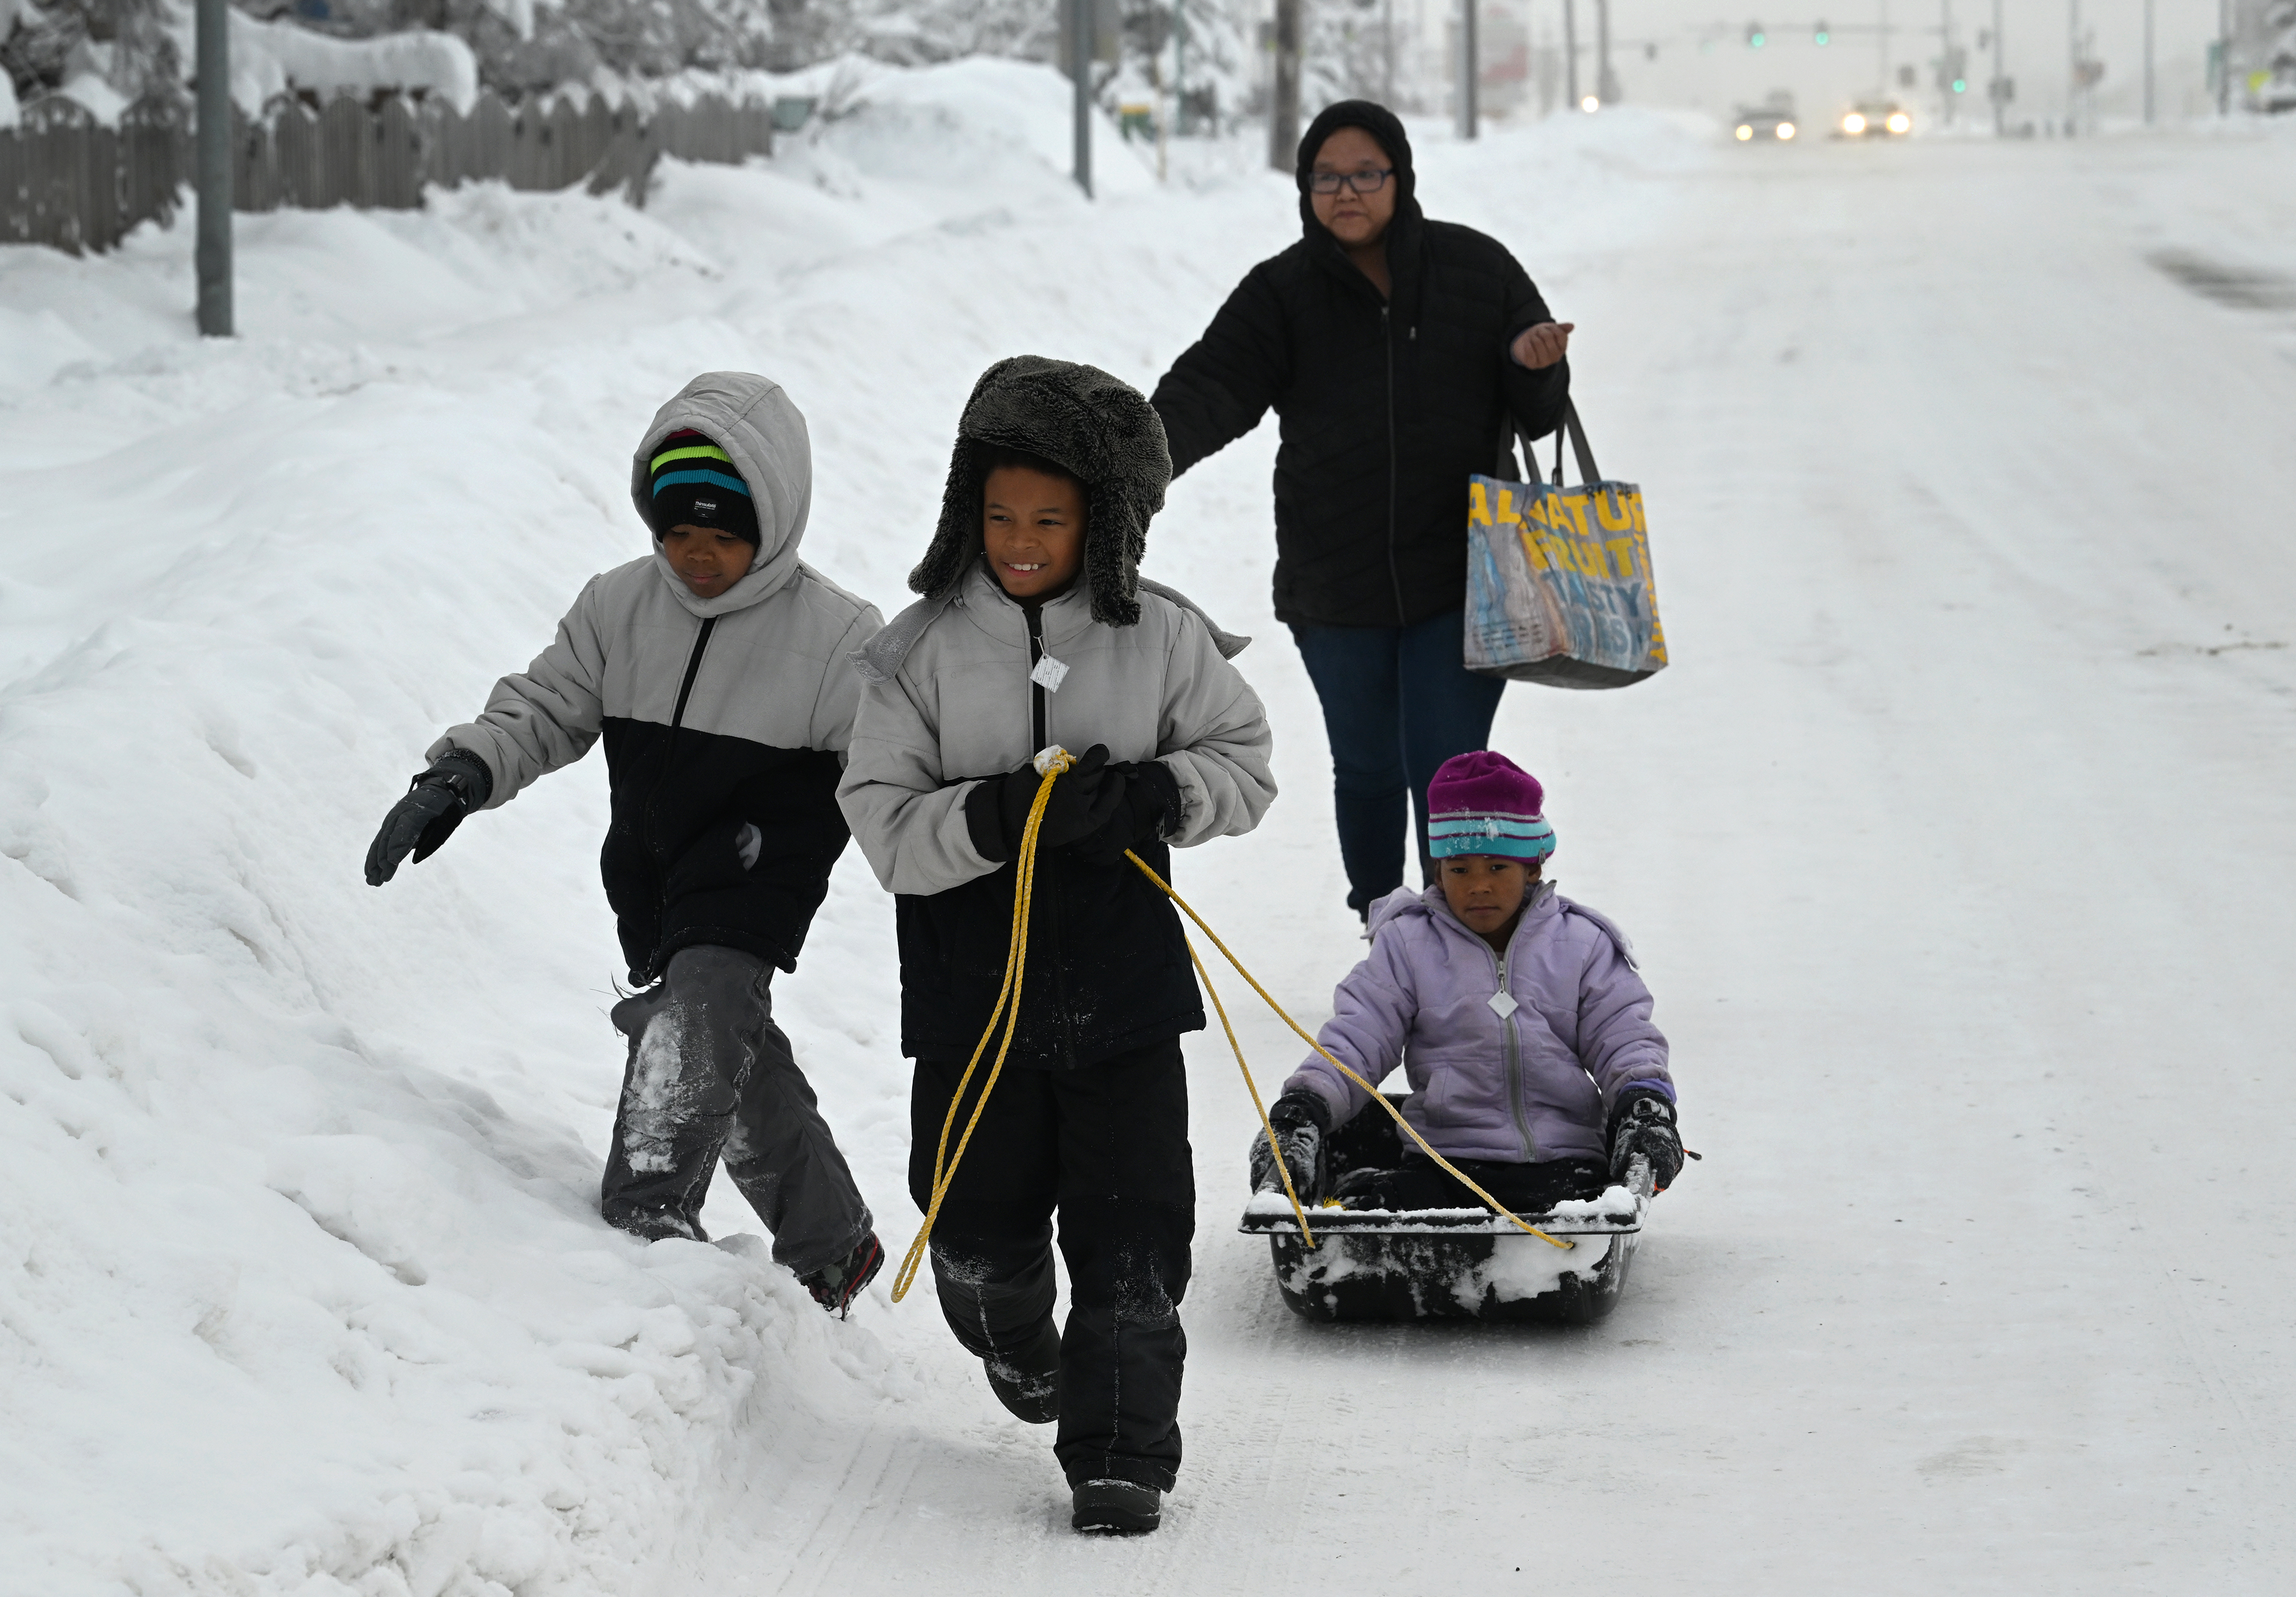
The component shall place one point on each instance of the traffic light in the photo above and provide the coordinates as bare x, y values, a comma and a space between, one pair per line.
1755, 37
1961, 86
1822, 34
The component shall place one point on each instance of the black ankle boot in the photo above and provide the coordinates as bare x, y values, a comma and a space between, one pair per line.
835, 1286
1028, 1383
1117, 1508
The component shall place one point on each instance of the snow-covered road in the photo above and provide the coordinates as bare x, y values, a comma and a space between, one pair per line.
1955, 844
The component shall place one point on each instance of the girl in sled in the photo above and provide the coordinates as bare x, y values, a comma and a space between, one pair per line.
1518, 1017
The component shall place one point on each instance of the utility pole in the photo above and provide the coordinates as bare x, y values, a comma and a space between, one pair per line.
2072, 66
1882, 34
1179, 66
1606, 82
1571, 52
2224, 58
2148, 63
1387, 66
1283, 107
1999, 87
1470, 69
212, 61
1082, 50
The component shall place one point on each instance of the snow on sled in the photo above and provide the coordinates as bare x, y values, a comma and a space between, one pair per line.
1448, 1264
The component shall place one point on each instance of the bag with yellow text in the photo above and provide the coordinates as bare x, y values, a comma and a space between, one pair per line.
1559, 586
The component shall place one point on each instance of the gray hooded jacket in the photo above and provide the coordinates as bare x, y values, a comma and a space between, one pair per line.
716, 713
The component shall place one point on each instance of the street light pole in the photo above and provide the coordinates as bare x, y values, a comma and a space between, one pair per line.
1606, 82
1082, 50
212, 255
2148, 63
1470, 65
2000, 82
1284, 109
1387, 40
1571, 52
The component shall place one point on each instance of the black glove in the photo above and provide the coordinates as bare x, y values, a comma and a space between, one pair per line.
456, 783
1148, 808
1300, 1118
1643, 1124
996, 811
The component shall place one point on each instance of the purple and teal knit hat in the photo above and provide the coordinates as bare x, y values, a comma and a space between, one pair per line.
694, 483
1484, 803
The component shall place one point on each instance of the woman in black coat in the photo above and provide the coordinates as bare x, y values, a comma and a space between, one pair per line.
1401, 356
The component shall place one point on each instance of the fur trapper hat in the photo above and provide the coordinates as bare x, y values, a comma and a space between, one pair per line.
1095, 427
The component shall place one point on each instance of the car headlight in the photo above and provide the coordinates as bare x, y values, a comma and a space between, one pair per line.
1853, 123
1785, 130
1900, 122
1744, 133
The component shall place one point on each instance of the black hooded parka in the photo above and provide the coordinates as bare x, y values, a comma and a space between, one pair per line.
1387, 406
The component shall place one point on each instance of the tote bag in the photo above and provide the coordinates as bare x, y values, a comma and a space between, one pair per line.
1559, 586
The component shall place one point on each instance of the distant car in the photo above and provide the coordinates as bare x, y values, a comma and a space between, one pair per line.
1876, 119
1764, 122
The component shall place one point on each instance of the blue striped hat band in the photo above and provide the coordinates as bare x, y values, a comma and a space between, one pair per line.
1515, 837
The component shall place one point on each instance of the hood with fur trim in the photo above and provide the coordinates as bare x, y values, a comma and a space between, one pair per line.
1097, 427
754, 422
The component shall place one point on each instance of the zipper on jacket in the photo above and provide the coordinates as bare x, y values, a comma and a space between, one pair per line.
1387, 345
1048, 864
693, 670
1035, 689
1513, 1062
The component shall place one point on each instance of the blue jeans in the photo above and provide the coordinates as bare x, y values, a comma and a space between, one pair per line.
1397, 704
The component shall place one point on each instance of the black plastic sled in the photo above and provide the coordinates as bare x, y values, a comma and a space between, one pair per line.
1448, 1264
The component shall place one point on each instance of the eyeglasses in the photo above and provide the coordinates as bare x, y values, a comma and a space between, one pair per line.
1363, 182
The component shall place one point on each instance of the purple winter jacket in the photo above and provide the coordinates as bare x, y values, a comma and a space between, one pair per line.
1536, 1084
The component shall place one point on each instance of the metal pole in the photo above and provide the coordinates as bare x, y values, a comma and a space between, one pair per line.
1080, 55
1946, 61
212, 62
1571, 52
1180, 67
2148, 63
2072, 66
2000, 106
1284, 109
1470, 62
2224, 58
1606, 82
1387, 39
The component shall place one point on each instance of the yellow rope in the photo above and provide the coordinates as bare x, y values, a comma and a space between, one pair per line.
1250, 1085
1051, 762
1494, 1206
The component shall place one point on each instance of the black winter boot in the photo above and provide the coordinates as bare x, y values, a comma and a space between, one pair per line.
1029, 1386
1117, 1508
835, 1286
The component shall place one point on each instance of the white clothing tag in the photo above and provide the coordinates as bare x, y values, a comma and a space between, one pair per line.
1049, 674
1503, 1003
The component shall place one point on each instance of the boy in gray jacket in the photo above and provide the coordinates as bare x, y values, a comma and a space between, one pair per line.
1035, 629
714, 669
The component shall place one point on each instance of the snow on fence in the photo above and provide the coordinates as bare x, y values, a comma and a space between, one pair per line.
68, 181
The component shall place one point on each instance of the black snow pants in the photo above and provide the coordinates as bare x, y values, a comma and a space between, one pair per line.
1107, 1146
710, 1076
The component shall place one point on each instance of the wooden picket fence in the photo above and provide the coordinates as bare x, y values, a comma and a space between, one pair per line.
68, 181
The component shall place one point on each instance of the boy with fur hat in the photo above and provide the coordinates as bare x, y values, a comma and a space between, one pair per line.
714, 669
1035, 629
1516, 1013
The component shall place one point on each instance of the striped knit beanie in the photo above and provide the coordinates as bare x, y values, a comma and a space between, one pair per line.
696, 484
1484, 803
